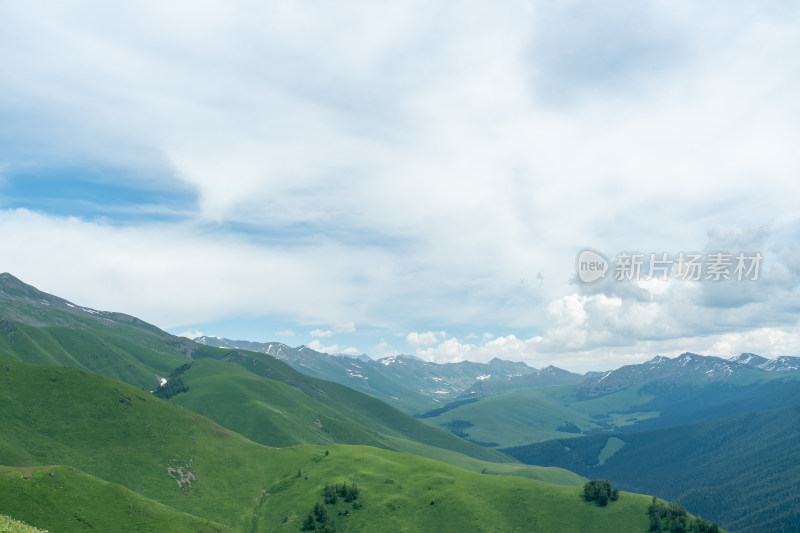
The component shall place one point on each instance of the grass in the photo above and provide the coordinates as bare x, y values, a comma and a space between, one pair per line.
265, 410
65, 499
9, 525
288, 408
113, 350
362, 413
519, 417
612, 446
276, 414
411, 493
548, 474
118, 442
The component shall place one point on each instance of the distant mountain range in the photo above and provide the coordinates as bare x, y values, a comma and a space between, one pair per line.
112, 424
418, 386
717, 435
620, 424
687, 366
404, 381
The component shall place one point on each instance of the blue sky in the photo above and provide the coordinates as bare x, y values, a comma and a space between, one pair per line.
407, 178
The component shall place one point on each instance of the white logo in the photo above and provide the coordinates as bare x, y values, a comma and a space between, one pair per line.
591, 266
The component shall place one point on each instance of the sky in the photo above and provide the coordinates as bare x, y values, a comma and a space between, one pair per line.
410, 177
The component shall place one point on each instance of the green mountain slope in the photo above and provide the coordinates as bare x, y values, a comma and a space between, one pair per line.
9, 525
164, 453
65, 499
740, 471
403, 381
276, 414
525, 416
265, 410
365, 413
513, 418
37, 327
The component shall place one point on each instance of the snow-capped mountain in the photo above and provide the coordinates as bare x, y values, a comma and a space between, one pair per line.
687, 366
405, 381
546, 377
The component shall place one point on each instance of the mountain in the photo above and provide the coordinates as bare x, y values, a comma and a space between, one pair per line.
94, 453
686, 389
25, 303
271, 403
404, 381
63, 498
40, 328
750, 359
781, 364
687, 366
740, 471
552, 403
511, 418
549, 376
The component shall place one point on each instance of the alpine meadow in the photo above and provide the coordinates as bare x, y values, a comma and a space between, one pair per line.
423, 267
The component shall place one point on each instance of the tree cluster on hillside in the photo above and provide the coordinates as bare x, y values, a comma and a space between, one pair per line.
600, 491
333, 491
170, 389
174, 384
672, 518
319, 519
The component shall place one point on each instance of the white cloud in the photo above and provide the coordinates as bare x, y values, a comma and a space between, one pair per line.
321, 333
383, 349
350, 350
424, 339
190, 333
318, 346
285, 333
142, 270
436, 164
448, 351
769, 342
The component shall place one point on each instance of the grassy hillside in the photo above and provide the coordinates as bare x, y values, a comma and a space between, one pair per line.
548, 474
522, 417
513, 418
164, 453
9, 525
65, 499
739, 471
36, 327
406, 382
410, 493
112, 350
275, 414
365, 413
134, 356
264, 410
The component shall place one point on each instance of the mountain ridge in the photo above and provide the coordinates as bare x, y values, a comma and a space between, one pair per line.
404, 381
497, 375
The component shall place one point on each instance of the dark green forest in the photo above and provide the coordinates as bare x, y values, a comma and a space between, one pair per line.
741, 471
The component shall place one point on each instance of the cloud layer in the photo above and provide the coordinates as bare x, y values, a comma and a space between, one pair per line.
422, 171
